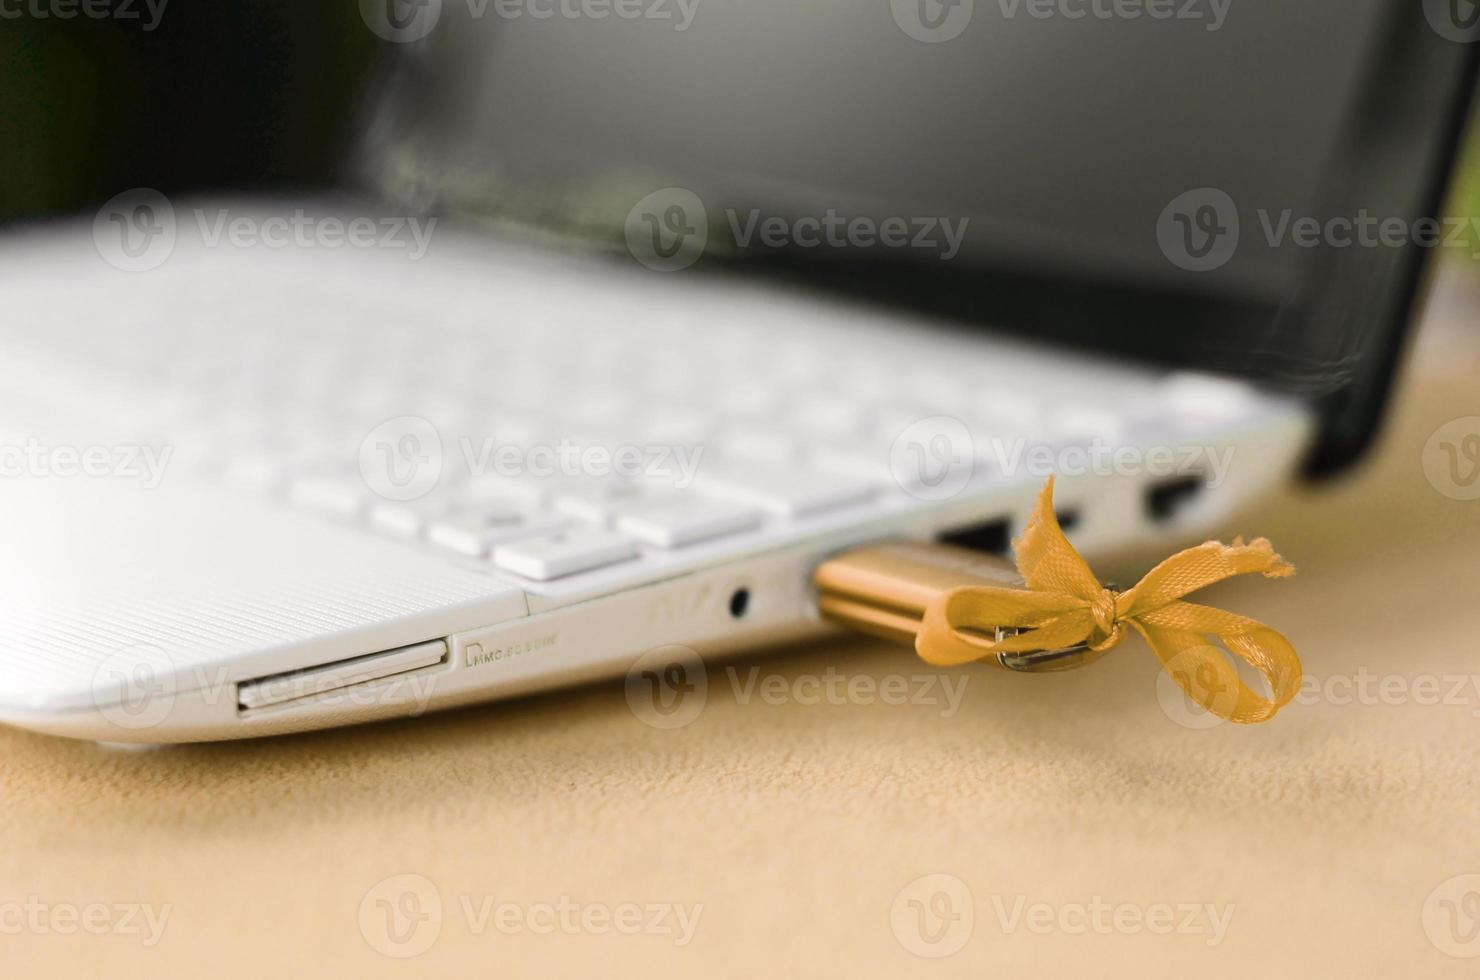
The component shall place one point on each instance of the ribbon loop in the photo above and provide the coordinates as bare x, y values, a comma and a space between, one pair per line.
1065, 605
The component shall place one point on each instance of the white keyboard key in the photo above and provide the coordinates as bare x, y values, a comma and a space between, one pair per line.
676, 426
597, 405
256, 472
688, 521
552, 556
743, 401
1010, 408
604, 500
1085, 423
770, 445
528, 492
828, 415
408, 519
1206, 395
334, 496
492, 428
477, 534
784, 492
866, 462
936, 390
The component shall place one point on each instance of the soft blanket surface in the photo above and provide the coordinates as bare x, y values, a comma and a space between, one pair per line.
1079, 828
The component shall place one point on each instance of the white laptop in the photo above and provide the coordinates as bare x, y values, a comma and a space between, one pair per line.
614, 331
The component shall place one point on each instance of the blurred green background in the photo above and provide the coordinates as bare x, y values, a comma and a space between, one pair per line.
251, 95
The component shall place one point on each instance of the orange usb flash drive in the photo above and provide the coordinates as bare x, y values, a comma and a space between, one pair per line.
884, 590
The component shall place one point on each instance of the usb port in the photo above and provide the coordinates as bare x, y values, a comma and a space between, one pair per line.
993, 537
1167, 499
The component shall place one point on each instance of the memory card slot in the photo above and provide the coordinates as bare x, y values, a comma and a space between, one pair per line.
293, 685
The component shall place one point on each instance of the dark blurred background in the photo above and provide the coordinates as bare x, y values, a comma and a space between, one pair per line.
256, 96
250, 95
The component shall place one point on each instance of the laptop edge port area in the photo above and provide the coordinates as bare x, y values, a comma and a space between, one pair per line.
265, 692
1169, 499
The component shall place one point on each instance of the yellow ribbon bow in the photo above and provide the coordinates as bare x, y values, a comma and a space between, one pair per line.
1064, 605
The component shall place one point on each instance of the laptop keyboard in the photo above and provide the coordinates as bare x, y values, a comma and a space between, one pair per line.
275, 378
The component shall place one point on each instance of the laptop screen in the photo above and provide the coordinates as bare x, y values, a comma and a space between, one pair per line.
1055, 131
1177, 147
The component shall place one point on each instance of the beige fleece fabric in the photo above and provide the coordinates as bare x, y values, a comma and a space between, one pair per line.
1067, 826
